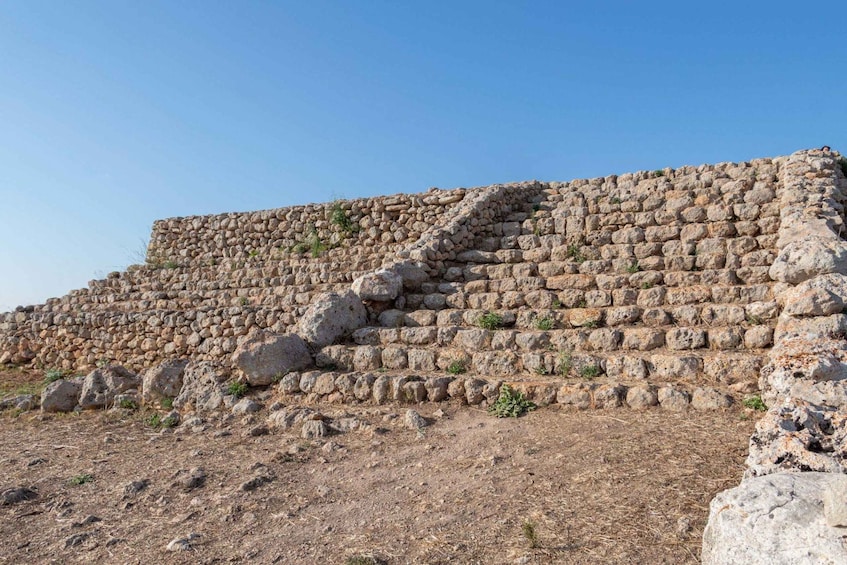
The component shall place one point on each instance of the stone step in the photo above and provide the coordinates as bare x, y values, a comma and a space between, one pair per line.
380, 388
657, 365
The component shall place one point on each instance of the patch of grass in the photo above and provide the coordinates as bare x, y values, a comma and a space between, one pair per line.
589, 372
81, 479
557, 304
565, 363
575, 253
755, 403
528, 529
755, 320
592, 324
544, 324
490, 321
167, 403
253, 253
646, 285
581, 304
614, 200
511, 404
170, 265
457, 367
338, 217
156, 421
243, 301
361, 560
53, 375
128, 404
237, 389
633, 268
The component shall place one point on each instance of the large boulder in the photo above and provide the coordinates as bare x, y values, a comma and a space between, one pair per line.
265, 357
163, 381
61, 395
331, 316
779, 519
100, 386
202, 387
380, 286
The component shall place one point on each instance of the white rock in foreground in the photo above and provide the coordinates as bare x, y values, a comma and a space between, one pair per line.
779, 519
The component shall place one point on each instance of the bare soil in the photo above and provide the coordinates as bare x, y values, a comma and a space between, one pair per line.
611, 486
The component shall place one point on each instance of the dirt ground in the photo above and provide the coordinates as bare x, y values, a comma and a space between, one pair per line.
606, 486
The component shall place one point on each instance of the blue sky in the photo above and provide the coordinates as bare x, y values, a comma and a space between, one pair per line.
114, 114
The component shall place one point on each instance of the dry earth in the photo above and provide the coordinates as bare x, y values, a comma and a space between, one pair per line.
612, 486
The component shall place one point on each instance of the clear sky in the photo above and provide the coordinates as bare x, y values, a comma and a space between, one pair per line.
117, 113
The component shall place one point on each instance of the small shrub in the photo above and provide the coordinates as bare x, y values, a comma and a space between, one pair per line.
53, 375
575, 253
167, 403
659, 173
633, 268
490, 321
128, 404
361, 560
754, 320
581, 304
457, 367
541, 370
755, 403
510, 404
589, 372
338, 217
81, 479
170, 265
646, 285
528, 529
253, 253
243, 301
565, 363
156, 421
237, 389
614, 200
557, 304
544, 324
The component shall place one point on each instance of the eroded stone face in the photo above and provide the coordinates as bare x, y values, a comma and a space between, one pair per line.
331, 316
264, 357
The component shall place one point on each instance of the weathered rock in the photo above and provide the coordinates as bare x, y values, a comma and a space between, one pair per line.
641, 397
673, 399
265, 357
381, 286
163, 381
330, 317
246, 406
778, 519
101, 385
314, 429
202, 387
414, 421
809, 257
61, 395
15, 495
705, 398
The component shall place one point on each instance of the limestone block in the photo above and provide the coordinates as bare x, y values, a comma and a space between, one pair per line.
330, 317
380, 286
777, 519
265, 356
163, 380
202, 387
809, 257
685, 338
101, 385
61, 395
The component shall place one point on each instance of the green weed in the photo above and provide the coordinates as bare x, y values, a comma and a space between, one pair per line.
528, 529
81, 479
589, 372
457, 367
237, 389
338, 217
755, 403
633, 268
511, 404
544, 324
490, 321
565, 363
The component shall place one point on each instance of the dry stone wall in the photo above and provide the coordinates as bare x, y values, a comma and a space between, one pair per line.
791, 507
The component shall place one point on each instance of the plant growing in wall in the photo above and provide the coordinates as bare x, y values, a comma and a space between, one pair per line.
510, 404
338, 217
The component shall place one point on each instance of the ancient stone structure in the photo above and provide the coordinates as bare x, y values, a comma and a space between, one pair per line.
686, 288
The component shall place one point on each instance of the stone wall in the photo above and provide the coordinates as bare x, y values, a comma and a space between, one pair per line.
791, 507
